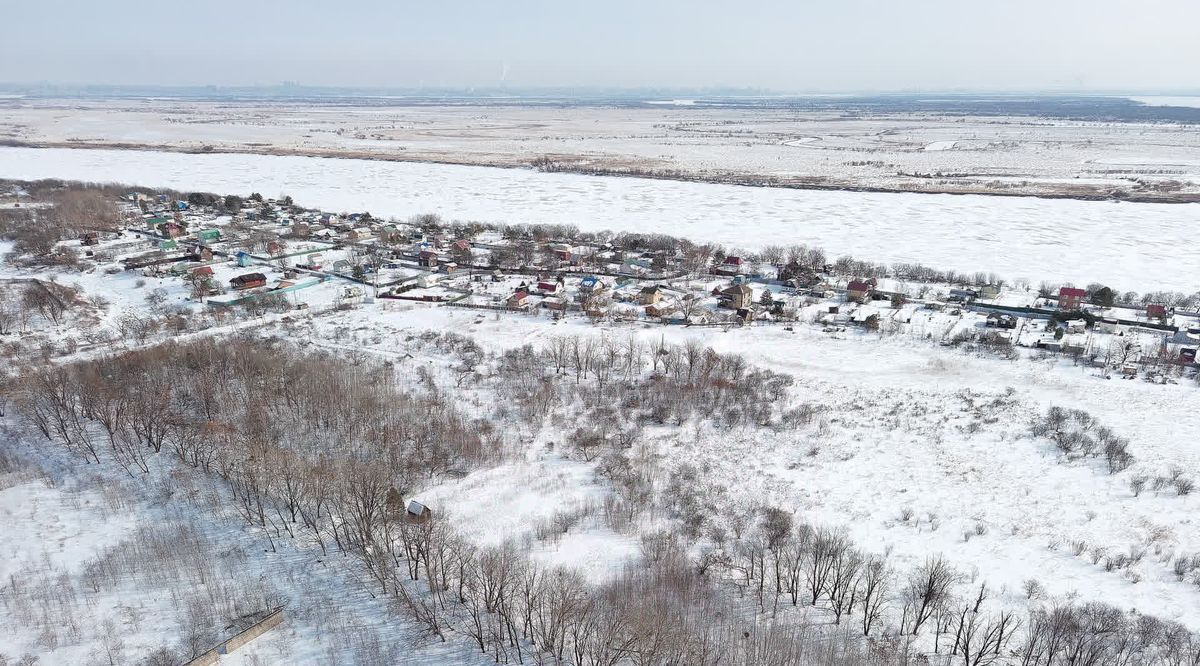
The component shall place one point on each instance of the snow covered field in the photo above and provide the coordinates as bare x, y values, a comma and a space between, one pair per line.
88, 578
1128, 245
909, 426
833, 147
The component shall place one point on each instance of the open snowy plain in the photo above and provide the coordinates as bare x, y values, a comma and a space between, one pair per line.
914, 145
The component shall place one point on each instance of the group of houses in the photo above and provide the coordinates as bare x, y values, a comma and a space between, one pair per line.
491, 268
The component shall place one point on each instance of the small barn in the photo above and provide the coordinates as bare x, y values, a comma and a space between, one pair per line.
417, 512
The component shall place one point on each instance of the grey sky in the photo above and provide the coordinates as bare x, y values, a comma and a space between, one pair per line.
845, 45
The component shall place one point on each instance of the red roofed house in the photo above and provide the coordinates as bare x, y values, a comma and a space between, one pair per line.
561, 251
1156, 311
1070, 298
518, 300
548, 288
858, 290
428, 258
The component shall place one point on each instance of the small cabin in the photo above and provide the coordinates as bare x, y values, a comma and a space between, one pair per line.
416, 512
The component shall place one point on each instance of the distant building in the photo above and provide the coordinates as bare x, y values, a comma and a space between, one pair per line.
1070, 298
561, 251
731, 266
858, 290
1156, 311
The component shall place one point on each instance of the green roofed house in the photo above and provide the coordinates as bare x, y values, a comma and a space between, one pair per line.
168, 244
208, 235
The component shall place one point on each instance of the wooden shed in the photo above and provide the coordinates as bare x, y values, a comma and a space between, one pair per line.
417, 512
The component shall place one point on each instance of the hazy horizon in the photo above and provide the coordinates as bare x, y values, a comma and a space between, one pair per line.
860, 46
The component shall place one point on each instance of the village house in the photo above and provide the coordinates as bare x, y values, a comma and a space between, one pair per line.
649, 295
547, 288
731, 266
963, 295
736, 297
248, 281
1186, 342
428, 258
208, 235
518, 300
858, 290
1156, 311
171, 230
1070, 298
1001, 320
591, 285
561, 251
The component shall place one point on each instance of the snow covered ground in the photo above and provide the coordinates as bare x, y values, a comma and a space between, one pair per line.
81, 585
908, 427
835, 147
1128, 245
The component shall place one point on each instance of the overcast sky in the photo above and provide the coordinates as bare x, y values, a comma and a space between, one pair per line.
786, 45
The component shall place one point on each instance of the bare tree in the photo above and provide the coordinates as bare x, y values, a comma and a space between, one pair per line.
927, 590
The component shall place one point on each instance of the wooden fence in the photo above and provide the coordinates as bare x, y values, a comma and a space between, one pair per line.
246, 635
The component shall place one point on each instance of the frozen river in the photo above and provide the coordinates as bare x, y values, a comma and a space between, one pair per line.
1127, 245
